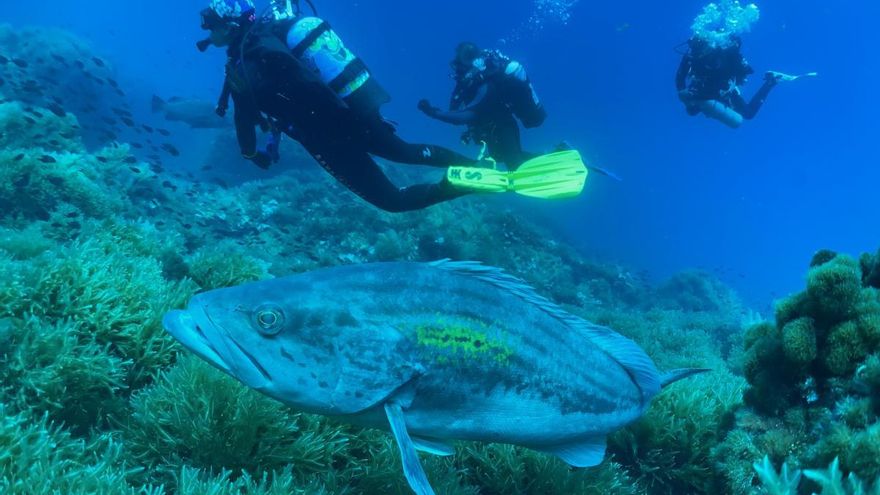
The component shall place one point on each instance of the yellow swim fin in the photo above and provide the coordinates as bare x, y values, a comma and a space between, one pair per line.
552, 176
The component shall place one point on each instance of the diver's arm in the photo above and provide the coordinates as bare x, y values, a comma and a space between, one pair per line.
246, 131
459, 117
464, 116
684, 68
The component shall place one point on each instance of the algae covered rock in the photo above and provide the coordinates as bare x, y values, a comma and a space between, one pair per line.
833, 290
799, 341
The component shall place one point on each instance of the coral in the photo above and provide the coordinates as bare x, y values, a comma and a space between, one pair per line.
789, 308
832, 481
57, 370
834, 289
38, 184
39, 128
868, 376
821, 257
224, 265
844, 349
821, 336
670, 448
24, 244
799, 341
781, 483
864, 454
63, 72
39, 458
391, 246
507, 469
773, 383
191, 481
104, 290
870, 264
698, 291
197, 416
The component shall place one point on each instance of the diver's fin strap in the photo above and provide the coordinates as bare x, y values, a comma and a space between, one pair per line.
552, 176
478, 179
412, 468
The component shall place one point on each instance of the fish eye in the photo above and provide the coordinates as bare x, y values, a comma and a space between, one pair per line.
269, 319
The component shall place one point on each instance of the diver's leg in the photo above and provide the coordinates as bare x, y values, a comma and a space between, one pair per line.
748, 111
508, 137
358, 172
384, 142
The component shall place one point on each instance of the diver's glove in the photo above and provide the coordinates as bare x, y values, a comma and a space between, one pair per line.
428, 109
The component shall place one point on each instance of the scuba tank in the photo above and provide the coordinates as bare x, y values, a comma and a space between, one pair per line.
313, 41
493, 67
521, 97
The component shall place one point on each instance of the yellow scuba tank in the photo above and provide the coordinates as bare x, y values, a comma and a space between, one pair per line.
311, 40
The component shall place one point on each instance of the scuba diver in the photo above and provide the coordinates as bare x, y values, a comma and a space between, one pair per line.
491, 93
708, 81
713, 68
290, 74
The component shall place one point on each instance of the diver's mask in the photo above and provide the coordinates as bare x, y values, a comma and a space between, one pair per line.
467, 71
211, 21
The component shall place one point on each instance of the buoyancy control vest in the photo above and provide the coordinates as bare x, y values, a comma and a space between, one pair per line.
312, 41
521, 97
510, 77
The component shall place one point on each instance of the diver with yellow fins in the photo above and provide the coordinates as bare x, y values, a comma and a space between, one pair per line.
492, 96
713, 68
290, 70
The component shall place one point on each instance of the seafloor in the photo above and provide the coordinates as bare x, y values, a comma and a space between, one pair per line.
97, 241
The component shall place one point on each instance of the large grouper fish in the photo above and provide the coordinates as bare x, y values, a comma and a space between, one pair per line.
433, 352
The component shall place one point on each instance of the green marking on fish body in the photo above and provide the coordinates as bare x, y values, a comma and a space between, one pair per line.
463, 340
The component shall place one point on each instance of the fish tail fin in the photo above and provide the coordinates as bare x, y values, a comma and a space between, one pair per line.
158, 104
680, 374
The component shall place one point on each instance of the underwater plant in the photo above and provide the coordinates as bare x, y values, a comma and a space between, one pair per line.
38, 457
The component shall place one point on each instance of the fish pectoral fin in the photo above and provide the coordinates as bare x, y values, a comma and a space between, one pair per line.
433, 446
583, 453
412, 468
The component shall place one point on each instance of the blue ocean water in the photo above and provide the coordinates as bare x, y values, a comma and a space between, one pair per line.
750, 205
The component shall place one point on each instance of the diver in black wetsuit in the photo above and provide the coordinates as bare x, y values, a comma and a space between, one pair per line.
708, 81
295, 71
491, 92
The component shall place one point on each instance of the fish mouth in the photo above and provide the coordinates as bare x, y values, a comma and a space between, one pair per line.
195, 329
182, 325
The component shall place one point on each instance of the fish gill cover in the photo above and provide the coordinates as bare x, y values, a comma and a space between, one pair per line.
96, 244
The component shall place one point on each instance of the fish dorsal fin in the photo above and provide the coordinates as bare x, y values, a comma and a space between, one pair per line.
623, 350
433, 446
583, 453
